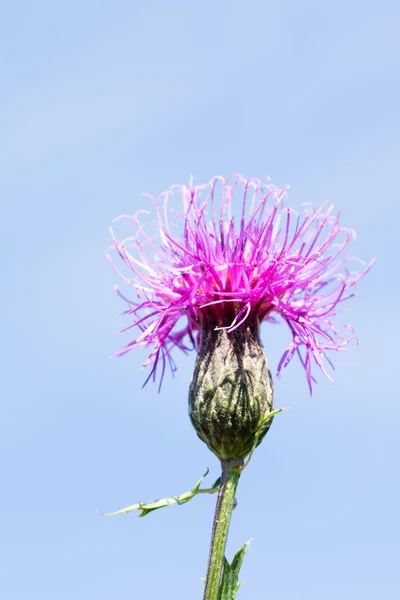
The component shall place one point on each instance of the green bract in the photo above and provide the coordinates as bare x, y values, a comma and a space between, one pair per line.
231, 391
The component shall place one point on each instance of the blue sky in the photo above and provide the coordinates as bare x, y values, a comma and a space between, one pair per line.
99, 102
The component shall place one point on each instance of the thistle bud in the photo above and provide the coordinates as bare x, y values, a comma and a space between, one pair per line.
231, 390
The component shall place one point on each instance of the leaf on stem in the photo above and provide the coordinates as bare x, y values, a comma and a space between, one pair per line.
148, 507
230, 577
260, 429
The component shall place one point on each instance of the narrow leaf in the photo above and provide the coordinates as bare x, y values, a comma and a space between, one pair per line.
226, 589
237, 565
230, 576
148, 507
259, 431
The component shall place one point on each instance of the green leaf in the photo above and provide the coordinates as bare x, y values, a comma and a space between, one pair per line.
237, 563
148, 507
226, 589
230, 577
259, 431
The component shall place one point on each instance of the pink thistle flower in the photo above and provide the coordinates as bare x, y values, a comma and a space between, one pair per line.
272, 262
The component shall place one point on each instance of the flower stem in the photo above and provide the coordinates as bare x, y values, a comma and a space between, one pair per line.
229, 480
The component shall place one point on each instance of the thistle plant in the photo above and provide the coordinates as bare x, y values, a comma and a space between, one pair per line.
211, 264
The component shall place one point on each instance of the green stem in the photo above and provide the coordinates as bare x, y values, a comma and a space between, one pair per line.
229, 480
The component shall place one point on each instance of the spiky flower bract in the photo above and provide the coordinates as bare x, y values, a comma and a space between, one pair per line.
219, 254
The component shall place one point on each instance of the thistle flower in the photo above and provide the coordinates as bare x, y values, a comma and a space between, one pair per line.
206, 273
201, 270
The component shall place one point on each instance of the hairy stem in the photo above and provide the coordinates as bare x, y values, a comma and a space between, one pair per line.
229, 480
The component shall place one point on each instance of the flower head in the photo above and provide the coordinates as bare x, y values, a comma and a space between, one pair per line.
200, 268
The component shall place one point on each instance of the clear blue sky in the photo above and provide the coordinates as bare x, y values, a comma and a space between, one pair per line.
99, 102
